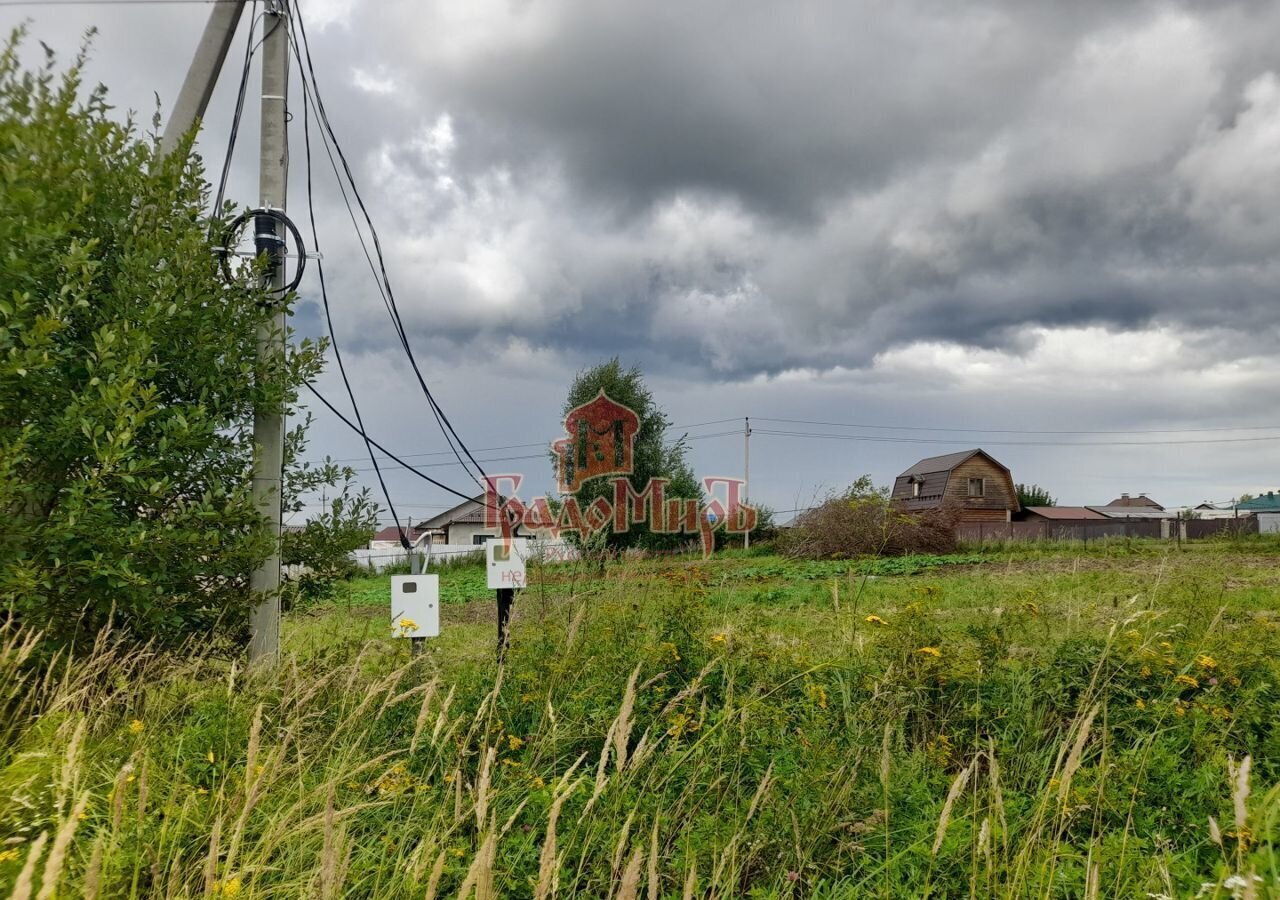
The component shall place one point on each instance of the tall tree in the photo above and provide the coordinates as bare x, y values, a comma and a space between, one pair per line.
128, 376
654, 456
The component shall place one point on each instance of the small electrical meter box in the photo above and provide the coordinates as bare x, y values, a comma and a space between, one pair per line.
415, 606
504, 562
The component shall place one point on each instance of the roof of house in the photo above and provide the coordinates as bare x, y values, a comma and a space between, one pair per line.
467, 511
1134, 512
1064, 512
1142, 500
392, 533
1270, 501
946, 462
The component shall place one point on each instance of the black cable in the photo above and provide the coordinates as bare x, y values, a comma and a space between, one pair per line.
1018, 430
876, 439
112, 2
333, 335
249, 48
447, 428
358, 430
383, 289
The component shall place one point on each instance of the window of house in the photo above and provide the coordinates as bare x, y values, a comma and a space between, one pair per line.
977, 487
915, 489
479, 539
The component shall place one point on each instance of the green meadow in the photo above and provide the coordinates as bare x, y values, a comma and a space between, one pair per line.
1051, 721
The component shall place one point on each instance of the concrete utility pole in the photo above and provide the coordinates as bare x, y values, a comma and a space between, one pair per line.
746, 473
268, 425
193, 99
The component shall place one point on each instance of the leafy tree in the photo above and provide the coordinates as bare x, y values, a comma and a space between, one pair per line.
128, 376
652, 458
1034, 495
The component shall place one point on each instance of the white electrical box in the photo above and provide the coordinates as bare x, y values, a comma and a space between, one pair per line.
415, 606
504, 561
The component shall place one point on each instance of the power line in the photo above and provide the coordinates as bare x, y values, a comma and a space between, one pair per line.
910, 440
113, 2
358, 430
450, 433
1015, 430
547, 443
333, 337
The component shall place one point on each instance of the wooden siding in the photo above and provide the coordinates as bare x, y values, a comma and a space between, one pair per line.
999, 493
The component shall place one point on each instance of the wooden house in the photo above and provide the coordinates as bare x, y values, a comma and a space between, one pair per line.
971, 482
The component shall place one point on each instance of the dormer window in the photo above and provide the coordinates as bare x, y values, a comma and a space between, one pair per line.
915, 488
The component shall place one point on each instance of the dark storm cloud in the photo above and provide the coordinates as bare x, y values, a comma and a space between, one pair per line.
818, 184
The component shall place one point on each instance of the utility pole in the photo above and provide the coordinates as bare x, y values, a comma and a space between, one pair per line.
268, 424
746, 473
273, 161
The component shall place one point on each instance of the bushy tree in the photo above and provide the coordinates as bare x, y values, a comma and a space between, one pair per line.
128, 376
862, 521
1034, 495
653, 456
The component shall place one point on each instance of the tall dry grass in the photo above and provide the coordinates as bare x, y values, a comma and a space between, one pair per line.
627, 748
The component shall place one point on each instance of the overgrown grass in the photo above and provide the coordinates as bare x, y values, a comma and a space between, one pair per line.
1053, 725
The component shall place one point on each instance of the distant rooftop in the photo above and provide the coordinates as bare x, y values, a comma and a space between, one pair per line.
1268, 502
1063, 512
1142, 500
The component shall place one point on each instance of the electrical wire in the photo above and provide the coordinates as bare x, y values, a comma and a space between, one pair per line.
358, 430
333, 336
909, 440
1016, 430
249, 49
52, 3
446, 426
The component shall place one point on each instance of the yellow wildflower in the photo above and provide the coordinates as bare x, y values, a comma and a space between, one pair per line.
408, 625
717, 638
1205, 661
1141, 704
1186, 681
1145, 672
9, 855
458, 852
1133, 634
538, 782
1165, 645
201, 791
876, 620
136, 726
930, 651
211, 757
514, 742
231, 888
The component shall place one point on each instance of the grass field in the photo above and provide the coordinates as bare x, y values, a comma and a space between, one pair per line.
1028, 722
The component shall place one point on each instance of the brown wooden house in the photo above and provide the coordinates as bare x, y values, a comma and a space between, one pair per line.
972, 482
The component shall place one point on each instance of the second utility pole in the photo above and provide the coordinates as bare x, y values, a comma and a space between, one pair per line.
746, 474
268, 424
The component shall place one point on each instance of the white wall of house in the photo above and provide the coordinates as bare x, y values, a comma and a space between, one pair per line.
1268, 523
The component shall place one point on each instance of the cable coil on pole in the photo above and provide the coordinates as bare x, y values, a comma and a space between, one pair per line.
266, 240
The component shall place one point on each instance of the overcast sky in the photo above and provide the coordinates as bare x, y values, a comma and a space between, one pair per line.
923, 215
